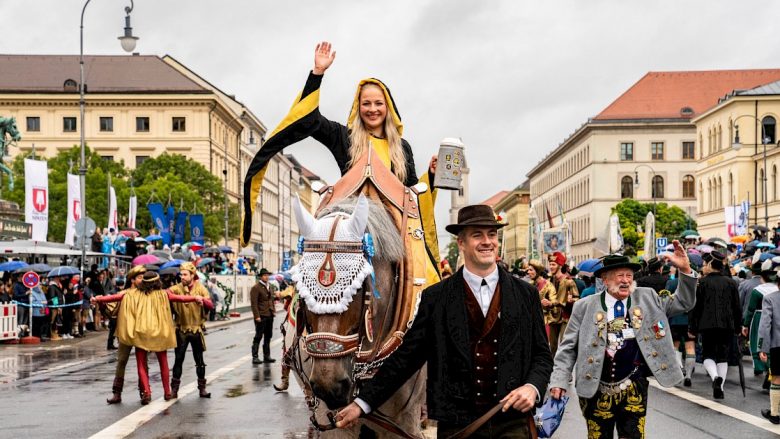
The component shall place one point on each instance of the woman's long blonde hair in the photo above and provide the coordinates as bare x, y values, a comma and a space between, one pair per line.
359, 139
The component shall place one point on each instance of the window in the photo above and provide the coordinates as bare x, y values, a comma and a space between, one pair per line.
769, 124
108, 158
142, 124
658, 187
179, 124
688, 151
107, 124
688, 190
627, 187
69, 124
657, 151
140, 159
33, 124
626, 151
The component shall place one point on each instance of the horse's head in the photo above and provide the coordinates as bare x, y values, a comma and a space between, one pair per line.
9, 125
336, 262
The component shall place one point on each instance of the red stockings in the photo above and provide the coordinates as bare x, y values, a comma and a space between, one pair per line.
143, 373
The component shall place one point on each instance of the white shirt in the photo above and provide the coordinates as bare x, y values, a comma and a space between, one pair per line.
483, 291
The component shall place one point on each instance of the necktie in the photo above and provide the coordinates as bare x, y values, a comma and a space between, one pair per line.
619, 310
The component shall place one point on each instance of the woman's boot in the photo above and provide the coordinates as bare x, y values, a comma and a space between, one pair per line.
117, 389
175, 383
201, 372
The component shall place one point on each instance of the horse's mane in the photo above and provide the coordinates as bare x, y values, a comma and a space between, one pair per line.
387, 240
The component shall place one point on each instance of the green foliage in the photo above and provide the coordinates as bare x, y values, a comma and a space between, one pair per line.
452, 254
670, 221
173, 176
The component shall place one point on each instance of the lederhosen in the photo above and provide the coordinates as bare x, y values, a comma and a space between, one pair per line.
621, 400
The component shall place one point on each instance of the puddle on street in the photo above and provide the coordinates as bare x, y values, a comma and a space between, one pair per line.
236, 391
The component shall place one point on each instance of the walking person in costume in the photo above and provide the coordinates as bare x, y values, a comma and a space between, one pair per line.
752, 316
262, 301
289, 297
616, 339
147, 325
565, 293
374, 124
482, 335
769, 350
717, 318
190, 319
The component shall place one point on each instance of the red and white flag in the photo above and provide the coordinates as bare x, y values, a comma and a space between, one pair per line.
133, 210
112, 219
36, 197
74, 208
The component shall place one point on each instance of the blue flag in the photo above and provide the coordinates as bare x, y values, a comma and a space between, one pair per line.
170, 218
181, 220
159, 220
196, 229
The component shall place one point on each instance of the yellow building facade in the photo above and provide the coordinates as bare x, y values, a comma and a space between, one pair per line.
515, 207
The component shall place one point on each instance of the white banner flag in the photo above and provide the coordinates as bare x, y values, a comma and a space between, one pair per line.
112, 219
133, 210
36, 197
736, 219
74, 208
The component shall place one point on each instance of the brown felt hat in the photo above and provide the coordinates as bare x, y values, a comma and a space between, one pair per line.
478, 215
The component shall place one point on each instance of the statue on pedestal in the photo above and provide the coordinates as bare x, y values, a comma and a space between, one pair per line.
8, 129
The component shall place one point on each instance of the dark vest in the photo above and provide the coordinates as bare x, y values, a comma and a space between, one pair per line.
628, 360
484, 334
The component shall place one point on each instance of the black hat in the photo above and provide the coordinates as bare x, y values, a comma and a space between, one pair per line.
654, 264
715, 258
478, 215
263, 271
611, 262
756, 268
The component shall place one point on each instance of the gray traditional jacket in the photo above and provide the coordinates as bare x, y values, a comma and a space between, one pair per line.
769, 325
582, 345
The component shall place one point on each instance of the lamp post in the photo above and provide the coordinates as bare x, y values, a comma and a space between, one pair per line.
128, 44
764, 141
652, 189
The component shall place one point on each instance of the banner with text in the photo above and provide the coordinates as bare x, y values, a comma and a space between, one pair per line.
158, 219
133, 210
74, 208
36, 197
113, 222
196, 228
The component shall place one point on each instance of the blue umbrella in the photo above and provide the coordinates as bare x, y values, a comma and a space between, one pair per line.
39, 268
225, 249
205, 261
63, 270
765, 256
765, 245
696, 259
169, 270
151, 238
589, 265
171, 263
13, 265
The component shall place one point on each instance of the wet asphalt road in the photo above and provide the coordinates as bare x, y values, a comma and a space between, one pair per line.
59, 390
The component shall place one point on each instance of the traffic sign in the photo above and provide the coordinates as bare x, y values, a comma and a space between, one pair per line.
85, 227
31, 279
661, 242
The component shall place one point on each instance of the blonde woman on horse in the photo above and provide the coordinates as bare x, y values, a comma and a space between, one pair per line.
374, 122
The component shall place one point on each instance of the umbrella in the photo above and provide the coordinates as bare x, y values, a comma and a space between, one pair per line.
225, 249
765, 256
689, 234
169, 270
146, 259
152, 267
775, 251
211, 249
704, 248
13, 265
739, 239
63, 270
759, 228
194, 246
162, 254
716, 242
205, 261
171, 263
140, 239
130, 233
589, 265
181, 256
151, 238
39, 268
765, 245
741, 368
695, 259
249, 253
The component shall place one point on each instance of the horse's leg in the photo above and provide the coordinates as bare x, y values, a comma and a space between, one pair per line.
405, 406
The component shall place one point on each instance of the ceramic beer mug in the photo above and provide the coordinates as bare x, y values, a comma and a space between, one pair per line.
450, 164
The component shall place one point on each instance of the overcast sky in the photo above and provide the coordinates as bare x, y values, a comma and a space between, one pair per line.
511, 78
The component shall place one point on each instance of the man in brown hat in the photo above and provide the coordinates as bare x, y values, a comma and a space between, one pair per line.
190, 319
616, 339
262, 302
482, 335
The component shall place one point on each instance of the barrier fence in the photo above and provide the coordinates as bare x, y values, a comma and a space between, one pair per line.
8, 321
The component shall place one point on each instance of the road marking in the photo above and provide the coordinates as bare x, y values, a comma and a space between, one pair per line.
127, 425
720, 408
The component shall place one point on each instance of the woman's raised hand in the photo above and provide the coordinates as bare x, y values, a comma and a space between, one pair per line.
323, 57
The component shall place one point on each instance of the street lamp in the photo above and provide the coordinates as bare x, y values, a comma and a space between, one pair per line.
652, 189
764, 141
128, 44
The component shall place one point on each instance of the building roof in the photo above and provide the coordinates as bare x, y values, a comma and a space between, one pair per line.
773, 88
665, 95
102, 74
492, 201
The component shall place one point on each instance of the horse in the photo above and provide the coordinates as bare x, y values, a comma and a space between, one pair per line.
349, 294
8, 128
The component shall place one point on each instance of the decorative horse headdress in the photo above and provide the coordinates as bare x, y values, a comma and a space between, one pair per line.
335, 257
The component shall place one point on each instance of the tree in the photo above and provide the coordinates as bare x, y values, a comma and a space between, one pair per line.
670, 221
452, 253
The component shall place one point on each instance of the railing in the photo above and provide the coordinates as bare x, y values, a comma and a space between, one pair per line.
8, 325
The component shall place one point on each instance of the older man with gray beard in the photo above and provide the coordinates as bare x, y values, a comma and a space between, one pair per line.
617, 338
